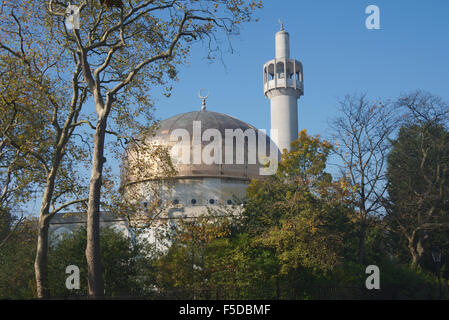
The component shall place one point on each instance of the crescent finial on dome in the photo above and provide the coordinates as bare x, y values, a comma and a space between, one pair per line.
203, 99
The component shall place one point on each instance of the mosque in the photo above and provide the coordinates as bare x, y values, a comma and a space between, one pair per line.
219, 181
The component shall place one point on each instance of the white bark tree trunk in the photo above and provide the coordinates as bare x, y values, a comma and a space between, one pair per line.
93, 253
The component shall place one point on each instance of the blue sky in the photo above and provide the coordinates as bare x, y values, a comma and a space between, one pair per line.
340, 56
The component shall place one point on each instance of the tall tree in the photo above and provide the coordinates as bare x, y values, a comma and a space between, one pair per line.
46, 115
300, 213
123, 49
361, 136
418, 173
114, 57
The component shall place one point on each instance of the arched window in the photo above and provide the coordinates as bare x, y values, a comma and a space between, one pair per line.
290, 70
270, 71
280, 70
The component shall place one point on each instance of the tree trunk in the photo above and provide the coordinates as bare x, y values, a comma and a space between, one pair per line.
40, 262
414, 254
416, 249
93, 255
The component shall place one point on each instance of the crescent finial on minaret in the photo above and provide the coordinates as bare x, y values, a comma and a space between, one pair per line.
282, 24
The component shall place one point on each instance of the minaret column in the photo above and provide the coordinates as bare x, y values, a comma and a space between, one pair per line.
283, 85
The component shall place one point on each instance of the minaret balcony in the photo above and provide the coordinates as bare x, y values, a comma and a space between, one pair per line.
274, 75
280, 83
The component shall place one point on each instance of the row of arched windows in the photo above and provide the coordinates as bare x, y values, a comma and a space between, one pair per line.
193, 202
293, 71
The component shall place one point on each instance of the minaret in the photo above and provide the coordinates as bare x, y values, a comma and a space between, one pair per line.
283, 85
